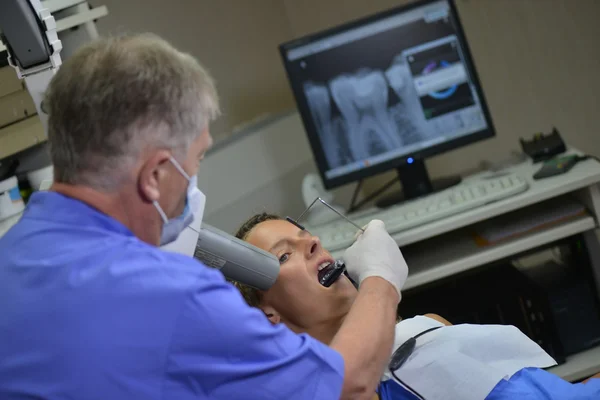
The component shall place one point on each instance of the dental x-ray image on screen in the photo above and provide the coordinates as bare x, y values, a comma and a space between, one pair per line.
384, 88
358, 116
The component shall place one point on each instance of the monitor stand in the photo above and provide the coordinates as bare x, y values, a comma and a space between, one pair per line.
416, 183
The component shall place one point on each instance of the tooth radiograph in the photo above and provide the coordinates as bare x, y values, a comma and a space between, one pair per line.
320, 108
408, 113
362, 99
371, 122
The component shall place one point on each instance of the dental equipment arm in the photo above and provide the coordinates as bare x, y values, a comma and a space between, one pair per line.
28, 31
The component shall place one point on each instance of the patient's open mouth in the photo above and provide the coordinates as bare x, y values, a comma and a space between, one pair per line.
331, 272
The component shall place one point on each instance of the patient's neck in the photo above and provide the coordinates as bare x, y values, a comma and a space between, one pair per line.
324, 332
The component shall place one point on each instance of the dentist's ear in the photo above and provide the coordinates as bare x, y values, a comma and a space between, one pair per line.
152, 174
271, 314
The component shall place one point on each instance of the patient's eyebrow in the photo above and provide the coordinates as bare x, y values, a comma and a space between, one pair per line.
288, 240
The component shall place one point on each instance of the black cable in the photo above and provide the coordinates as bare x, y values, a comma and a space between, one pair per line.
413, 391
374, 194
427, 331
355, 195
402, 354
587, 157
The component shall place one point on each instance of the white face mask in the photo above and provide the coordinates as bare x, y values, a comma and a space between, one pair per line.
172, 228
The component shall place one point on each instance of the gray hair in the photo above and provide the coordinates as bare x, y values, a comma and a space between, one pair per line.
116, 97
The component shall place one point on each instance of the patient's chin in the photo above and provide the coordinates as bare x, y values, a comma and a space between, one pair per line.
343, 289
346, 284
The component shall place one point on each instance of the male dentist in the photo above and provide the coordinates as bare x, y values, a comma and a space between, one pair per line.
92, 308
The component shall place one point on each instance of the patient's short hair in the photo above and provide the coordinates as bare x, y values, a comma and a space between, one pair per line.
252, 296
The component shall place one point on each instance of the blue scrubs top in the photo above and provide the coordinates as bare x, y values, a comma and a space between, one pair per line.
88, 311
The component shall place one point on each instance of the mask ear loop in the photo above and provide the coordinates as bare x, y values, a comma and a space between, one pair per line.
160, 211
179, 168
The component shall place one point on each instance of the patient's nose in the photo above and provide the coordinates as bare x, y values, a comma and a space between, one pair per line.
314, 246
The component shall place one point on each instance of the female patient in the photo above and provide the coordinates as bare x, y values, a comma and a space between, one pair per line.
299, 301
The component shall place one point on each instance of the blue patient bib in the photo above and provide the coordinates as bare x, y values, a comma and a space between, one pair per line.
527, 384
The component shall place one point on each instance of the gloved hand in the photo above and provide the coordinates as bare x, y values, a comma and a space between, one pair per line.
375, 253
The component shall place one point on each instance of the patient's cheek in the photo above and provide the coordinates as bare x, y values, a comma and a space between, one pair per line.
285, 285
293, 273
292, 288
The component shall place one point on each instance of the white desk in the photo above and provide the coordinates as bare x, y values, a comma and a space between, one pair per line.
446, 247
455, 250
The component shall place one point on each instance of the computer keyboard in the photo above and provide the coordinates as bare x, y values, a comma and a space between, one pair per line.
339, 235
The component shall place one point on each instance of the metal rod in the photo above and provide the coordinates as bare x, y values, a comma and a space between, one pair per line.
308, 208
332, 209
339, 213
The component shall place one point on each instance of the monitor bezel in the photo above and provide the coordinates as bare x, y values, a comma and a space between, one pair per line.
311, 130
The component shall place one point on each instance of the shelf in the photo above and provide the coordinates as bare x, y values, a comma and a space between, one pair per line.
456, 252
579, 366
57, 5
585, 174
81, 18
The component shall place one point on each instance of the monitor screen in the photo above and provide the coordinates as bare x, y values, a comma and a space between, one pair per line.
386, 89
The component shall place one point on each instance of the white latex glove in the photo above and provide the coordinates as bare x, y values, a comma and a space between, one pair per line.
375, 253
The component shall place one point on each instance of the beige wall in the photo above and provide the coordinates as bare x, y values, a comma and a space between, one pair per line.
538, 60
235, 39
308, 16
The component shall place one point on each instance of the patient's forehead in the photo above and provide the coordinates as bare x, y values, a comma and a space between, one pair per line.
267, 233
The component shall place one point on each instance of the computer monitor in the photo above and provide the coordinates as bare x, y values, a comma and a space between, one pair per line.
386, 92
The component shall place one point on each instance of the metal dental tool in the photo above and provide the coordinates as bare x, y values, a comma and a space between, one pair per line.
331, 273
328, 206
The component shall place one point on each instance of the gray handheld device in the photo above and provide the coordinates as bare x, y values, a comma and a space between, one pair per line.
236, 259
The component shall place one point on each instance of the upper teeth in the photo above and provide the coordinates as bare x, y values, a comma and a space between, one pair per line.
323, 265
